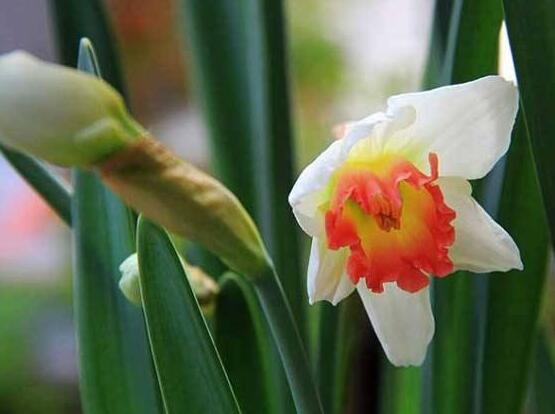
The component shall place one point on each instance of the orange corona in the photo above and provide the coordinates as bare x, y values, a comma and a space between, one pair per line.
393, 219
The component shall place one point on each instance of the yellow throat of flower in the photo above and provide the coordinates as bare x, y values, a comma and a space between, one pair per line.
392, 218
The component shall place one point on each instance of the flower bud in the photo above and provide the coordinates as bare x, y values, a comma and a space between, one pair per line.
204, 287
70, 118
187, 202
129, 282
59, 114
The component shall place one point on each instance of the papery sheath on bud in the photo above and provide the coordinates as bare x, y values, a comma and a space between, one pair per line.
187, 202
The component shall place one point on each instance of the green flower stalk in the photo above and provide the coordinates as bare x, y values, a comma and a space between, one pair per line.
70, 118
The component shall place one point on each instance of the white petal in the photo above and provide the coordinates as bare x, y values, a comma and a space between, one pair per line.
403, 322
481, 245
304, 197
129, 281
326, 279
307, 214
468, 125
361, 129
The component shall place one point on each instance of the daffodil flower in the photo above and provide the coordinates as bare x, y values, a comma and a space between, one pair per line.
389, 206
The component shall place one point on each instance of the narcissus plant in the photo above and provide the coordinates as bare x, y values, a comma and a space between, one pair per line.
389, 206
70, 118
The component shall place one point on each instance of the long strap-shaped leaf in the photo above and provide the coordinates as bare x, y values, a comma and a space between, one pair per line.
240, 328
272, 109
543, 401
191, 376
75, 19
247, 114
404, 387
286, 336
514, 298
471, 53
115, 367
247, 109
532, 37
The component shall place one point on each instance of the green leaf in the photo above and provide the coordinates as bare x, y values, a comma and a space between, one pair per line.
532, 37
471, 53
477, 40
286, 336
75, 19
191, 376
401, 387
543, 401
514, 298
115, 367
343, 340
327, 353
452, 367
248, 114
50, 187
252, 378
272, 111
406, 380
215, 35
443, 14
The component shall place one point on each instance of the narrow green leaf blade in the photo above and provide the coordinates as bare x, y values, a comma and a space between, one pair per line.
75, 19
114, 363
281, 322
115, 366
452, 367
443, 15
191, 376
50, 187
514, 298
326, 355
216, 39
544, 376
272, 110
344, 341
405, 380
471, 53
253, 378
532, 37
247, 109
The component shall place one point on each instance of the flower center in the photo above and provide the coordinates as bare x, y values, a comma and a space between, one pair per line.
393, 219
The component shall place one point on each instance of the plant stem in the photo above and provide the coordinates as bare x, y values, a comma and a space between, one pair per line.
288, 341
